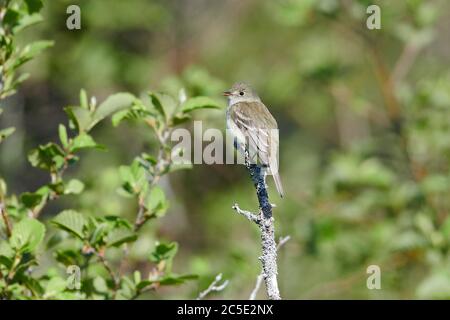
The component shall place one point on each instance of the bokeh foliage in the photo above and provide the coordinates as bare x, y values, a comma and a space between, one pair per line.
364, 136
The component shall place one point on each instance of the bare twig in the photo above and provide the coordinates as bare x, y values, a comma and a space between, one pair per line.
249, 215
114, 278
260, 277
265, 222
214, 287
259, 280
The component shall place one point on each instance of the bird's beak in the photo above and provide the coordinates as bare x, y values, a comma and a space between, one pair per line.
227, 93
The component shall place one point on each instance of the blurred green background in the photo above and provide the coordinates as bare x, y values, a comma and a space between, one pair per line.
365, 135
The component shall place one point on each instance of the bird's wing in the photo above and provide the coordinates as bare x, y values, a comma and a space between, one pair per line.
256, 123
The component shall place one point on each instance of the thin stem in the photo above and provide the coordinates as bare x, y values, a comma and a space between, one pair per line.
114, 278
214, 287
6, 220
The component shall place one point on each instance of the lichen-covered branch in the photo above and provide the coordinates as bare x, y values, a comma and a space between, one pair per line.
265, 223
260, 277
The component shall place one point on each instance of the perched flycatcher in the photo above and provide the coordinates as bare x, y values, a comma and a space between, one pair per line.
254, 129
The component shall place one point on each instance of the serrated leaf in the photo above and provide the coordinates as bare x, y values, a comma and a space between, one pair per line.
27, 235
72, 222
164, 251
156, 201
74, 186
47, 156
11, 18
180, 118
199, 103
83, 141
118, 236
79, 117
133, 177
30, 51
156, 103
68, 257
30, 199
112, 104
134, 113
34, 5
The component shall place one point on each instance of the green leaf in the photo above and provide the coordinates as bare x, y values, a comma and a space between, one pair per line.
156, 103
11, 18
33, 285
68, 257
133, 177
79, 117
137, 276
136, 112
49, 156
174, 279
63, 135
30, 51
164, 251
74, 186
100, 285
4, 133
199, 103
180, 118
144, 283
55, 286
118, 117
112, 104
84, 99
116, 221
83, 141
5, 261
156, 201
72, 222
119, 236
27, 235
3, 188
98, 234
26, 21
31, 200
34, 5
57, 187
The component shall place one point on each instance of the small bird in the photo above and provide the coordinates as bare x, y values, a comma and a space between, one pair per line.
254, 129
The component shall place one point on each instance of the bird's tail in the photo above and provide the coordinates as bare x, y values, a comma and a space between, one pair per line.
276, 178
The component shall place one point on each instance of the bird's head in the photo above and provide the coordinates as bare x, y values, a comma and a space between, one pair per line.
241, 92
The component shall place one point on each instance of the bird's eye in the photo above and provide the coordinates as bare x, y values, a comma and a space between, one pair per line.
241, 93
